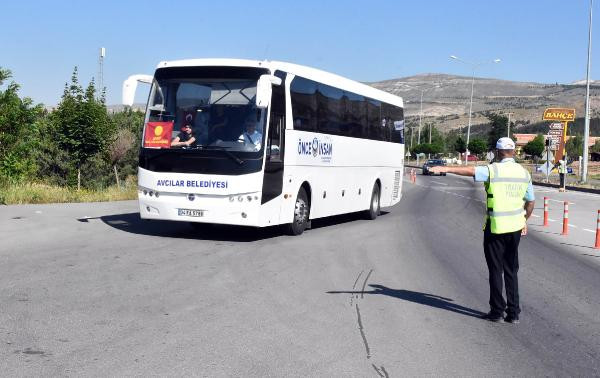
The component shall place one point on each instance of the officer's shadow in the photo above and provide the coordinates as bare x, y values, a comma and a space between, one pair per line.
417, 297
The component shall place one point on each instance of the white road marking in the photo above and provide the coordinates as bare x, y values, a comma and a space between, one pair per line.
588, 230
570, 203
585, 194
552, 220
535, 216
572, 225
456, 194
440, 183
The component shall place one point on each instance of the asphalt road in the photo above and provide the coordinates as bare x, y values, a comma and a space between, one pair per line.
90, 289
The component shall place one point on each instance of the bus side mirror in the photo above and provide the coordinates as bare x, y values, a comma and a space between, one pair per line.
130, 86
264, 89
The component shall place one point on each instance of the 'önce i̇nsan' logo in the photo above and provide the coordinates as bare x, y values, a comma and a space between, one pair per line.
316, 147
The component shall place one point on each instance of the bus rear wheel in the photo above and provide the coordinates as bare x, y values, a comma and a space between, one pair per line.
301, 211
375, 207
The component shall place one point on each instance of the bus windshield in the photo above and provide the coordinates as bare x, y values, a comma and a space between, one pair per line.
204, 113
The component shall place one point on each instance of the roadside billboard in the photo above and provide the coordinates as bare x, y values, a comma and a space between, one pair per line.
557, 131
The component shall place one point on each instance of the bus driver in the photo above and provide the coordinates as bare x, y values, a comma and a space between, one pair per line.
251, 137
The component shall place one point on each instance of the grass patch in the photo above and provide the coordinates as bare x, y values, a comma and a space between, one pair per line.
35, 193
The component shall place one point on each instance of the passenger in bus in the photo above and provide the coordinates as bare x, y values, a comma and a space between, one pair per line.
218, 121
200, 128
185, 139
251, 137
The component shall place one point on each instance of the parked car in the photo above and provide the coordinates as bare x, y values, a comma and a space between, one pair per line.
432, 163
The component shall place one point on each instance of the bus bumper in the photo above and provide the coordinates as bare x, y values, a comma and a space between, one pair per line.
236, 209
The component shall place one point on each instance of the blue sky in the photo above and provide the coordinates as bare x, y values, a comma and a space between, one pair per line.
541, 41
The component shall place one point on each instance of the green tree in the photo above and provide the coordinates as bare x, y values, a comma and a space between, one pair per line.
574, 147
449, 140
460, 146
129, 125
498, 124
596, 146
477, 146
535, 147
119, 148
82, 126
419, 149
20, 122
437, 144
436, 147
132, 120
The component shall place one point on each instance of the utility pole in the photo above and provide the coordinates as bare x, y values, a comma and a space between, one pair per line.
508, 124
430, 126
586, 129
421, 116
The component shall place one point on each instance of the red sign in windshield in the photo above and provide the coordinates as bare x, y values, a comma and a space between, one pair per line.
158, 134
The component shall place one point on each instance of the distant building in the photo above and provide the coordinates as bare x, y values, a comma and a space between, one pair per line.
522, 139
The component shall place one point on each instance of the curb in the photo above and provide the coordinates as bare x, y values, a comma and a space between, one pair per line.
568, 187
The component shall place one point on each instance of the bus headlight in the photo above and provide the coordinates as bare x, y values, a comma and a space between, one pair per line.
231, 199
249, 198
240, 198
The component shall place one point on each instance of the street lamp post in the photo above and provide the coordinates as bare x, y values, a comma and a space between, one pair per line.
586, 131
474, 66
420, 118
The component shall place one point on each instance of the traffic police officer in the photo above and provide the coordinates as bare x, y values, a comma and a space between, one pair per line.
510, 202
562, 170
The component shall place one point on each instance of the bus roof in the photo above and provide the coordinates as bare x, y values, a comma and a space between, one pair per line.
296, 69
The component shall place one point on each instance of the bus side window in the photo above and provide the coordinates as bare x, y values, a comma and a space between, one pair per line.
274, 141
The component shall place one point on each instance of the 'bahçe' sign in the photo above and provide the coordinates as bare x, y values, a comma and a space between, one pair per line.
559, 114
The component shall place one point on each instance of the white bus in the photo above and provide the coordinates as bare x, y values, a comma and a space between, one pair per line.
273, 143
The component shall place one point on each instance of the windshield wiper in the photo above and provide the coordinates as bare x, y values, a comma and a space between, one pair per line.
227, 153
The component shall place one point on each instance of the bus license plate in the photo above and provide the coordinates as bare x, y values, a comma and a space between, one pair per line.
190, 213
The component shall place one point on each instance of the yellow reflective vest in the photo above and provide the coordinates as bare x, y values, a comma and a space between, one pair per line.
562, 166
505, 197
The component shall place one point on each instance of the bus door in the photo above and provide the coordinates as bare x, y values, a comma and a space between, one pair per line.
273, 177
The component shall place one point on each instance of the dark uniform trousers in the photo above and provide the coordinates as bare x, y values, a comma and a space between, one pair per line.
502, 256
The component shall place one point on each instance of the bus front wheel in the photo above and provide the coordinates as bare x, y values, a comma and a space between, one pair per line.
301, 211
375, 207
